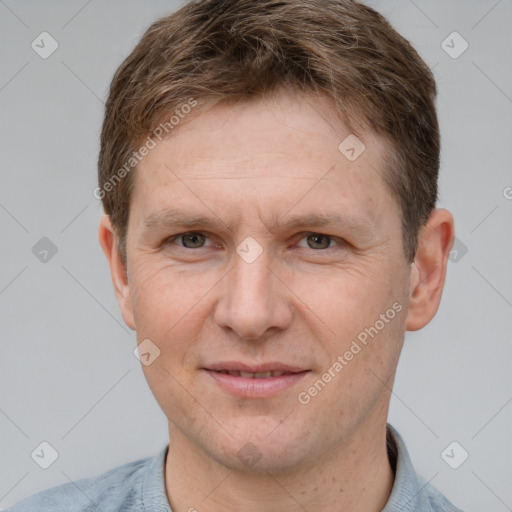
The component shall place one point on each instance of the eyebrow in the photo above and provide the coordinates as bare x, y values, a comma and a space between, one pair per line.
174, 218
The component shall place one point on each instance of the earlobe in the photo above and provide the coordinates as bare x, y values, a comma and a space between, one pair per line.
428, 271
108, 242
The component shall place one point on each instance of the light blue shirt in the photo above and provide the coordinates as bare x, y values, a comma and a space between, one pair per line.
139, 487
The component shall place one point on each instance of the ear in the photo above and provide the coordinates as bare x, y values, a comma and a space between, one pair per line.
108, 242
428, 271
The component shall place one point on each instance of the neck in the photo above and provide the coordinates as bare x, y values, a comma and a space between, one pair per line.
357, 476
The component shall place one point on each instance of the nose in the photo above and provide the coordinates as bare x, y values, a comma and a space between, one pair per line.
253, 299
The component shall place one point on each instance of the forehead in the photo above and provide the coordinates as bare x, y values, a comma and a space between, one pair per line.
269, 155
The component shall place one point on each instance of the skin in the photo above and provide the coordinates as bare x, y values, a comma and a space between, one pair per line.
301, 302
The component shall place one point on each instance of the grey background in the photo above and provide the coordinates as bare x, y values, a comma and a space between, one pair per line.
68, 375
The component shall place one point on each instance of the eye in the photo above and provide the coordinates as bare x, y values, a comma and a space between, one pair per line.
197, 240
318, 241
190, 240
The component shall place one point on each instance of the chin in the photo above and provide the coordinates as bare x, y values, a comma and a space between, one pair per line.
262, 459
261, 445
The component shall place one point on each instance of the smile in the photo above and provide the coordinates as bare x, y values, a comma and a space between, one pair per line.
257, 375
261, 381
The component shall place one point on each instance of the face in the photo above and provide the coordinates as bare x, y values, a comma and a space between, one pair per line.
255, 245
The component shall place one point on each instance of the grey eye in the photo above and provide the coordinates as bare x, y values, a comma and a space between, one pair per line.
319, 241
193, 240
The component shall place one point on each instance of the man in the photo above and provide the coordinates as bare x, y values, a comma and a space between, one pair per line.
268, 172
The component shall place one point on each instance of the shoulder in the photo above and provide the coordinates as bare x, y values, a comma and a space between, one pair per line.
438, 502
117, 489
411, 492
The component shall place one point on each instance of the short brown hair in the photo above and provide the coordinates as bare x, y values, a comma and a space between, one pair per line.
218, 51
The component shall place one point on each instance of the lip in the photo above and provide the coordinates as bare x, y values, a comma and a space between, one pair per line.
253, 368
248, 387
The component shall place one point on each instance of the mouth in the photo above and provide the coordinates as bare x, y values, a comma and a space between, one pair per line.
255, 375
251, 381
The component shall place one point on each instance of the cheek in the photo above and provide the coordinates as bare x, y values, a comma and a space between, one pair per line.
365, 315
171, 308
345, 300
162, 300
163, 296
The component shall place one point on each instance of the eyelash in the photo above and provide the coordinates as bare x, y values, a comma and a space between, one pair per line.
337, 240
